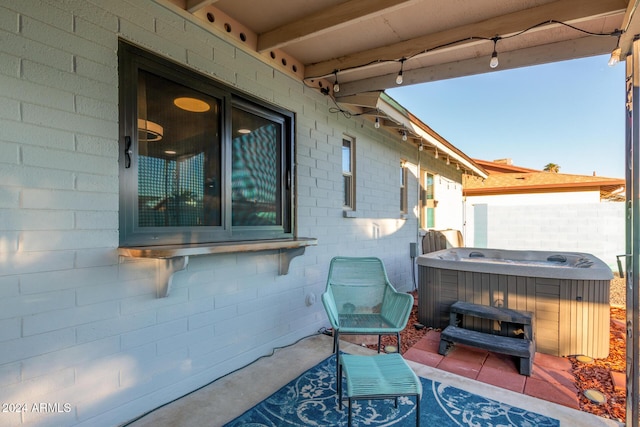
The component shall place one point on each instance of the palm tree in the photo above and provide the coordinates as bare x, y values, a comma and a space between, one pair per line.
552, 167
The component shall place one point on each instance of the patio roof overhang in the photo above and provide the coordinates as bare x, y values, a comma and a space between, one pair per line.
364, 44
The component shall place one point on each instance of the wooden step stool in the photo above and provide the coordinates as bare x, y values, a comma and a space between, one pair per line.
523, 347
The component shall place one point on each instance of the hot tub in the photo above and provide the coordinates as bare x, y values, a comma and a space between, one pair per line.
567, 291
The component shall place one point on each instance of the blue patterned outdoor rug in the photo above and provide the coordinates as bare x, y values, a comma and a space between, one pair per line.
311, 400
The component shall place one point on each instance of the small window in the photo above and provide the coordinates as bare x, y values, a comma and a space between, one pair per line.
200, 162
428, 211
348, 173
403, 187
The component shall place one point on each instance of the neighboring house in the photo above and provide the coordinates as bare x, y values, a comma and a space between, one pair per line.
522, 208
170, 203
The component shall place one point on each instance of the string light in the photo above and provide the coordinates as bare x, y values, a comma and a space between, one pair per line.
494, 56
615, 55
399, 79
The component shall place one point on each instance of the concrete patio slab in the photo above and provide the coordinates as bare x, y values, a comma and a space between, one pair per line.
230, 396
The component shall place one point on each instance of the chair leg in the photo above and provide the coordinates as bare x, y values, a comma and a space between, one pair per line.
379, 342
399, 343
349, 421
340, 386
337, 351
418, 410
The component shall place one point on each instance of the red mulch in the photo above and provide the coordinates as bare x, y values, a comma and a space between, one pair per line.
409, 336
595, 375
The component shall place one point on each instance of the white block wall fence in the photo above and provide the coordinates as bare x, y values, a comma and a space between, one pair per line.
81, 330
595, 228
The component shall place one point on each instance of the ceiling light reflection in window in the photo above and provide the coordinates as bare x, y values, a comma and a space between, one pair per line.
192, 104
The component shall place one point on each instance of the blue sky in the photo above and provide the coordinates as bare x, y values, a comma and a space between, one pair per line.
570, 113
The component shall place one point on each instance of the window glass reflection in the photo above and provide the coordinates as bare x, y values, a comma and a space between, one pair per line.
255, 181
178, 155
346, 156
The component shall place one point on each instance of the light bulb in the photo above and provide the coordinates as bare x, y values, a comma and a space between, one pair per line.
494, 60
377, 123
404, 135
448, 161
336, 87
399, 78
615, 57
421, 147
435, 156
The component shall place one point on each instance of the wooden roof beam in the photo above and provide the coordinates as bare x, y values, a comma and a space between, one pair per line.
576, 48
325, 20
560, 10
195, 5
631, 26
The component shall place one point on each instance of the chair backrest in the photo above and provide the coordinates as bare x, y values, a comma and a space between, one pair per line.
436, 240
432, 241
357, 271
357, 284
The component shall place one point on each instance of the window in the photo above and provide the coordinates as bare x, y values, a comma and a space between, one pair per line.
348, 173
403, 187
428, 201
200, 162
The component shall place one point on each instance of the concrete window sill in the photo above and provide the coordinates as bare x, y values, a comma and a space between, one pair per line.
174, 258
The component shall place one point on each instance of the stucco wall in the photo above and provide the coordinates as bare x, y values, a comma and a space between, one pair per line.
83, 329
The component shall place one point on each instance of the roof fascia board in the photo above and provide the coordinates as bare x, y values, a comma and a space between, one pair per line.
524, 190
402, 116
565, 187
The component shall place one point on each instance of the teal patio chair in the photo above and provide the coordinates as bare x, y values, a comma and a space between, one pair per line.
360, 300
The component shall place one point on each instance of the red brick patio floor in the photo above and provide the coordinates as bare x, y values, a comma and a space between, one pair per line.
551, 379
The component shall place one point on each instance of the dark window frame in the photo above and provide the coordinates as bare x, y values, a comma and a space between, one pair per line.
349, 176
428, 201
404, 193
130, 60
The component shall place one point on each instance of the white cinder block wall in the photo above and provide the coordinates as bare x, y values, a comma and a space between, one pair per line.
82, 331
595, 228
